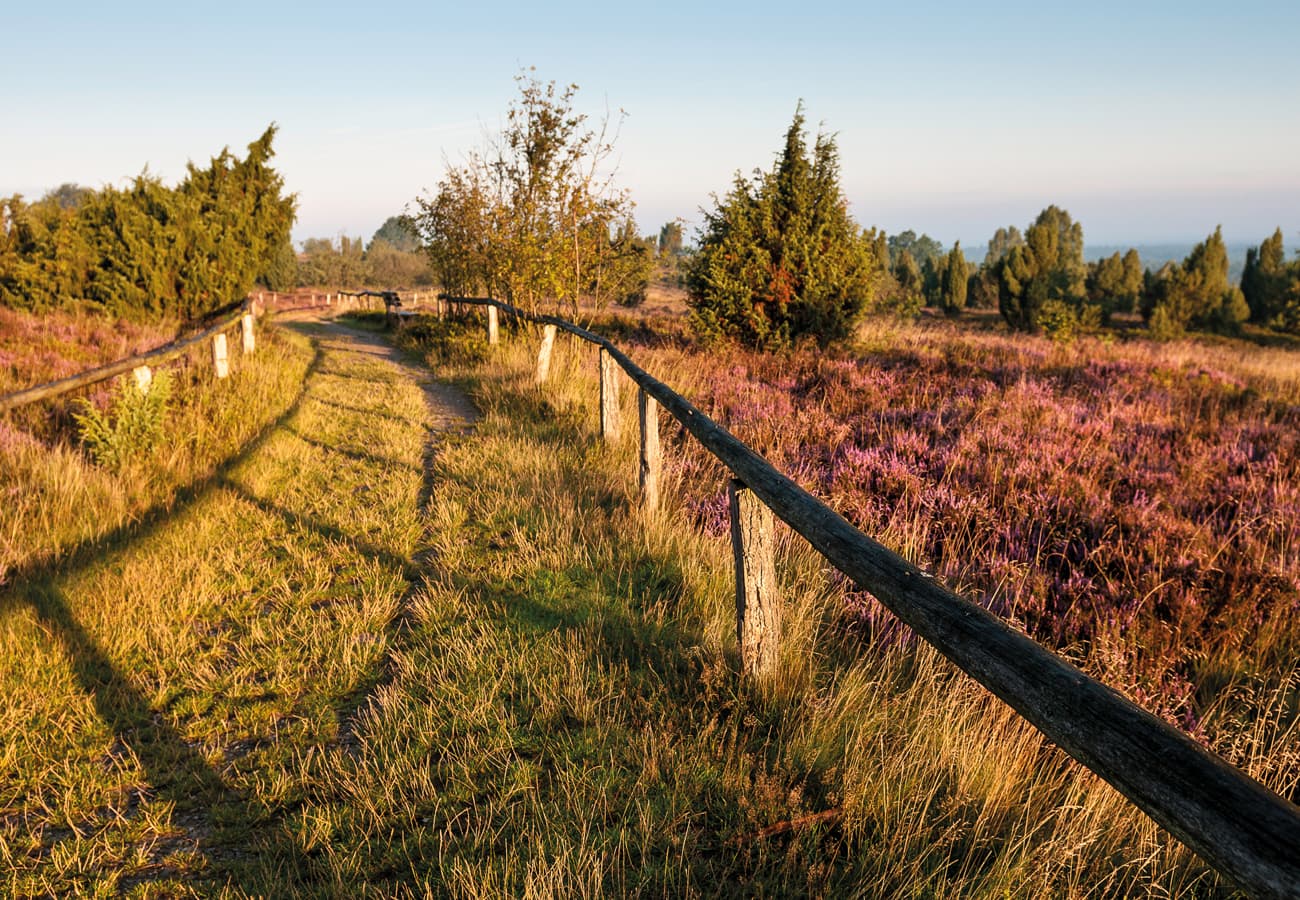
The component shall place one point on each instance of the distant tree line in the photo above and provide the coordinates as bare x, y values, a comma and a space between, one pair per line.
779, 257
149, 250
394, 258
534, 218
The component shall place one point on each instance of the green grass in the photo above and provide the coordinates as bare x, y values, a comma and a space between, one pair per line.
332, 674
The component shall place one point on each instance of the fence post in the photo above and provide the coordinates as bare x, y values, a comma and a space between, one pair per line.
220, 361
758, 603
492, 324
609, 424
544, 354
143, 378
648, 410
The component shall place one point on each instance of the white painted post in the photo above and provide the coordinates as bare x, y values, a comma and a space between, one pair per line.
492, 325
220, 360
544, 354
246, 329
143, 378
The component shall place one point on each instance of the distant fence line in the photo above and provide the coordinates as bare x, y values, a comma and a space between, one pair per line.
241, 312
1241, 828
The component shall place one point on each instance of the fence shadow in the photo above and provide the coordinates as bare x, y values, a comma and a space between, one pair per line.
210, 815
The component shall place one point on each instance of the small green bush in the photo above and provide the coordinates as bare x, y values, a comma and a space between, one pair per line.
1059, 321
131, 427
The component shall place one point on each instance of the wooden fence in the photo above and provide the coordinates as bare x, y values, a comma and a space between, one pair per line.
1237, 825
240, 314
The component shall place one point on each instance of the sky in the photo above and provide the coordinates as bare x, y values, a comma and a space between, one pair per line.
1149, 122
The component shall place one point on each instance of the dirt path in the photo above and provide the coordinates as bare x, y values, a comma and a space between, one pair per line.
449, 409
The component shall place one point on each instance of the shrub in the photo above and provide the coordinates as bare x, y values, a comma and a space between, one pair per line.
132, 426
780, 257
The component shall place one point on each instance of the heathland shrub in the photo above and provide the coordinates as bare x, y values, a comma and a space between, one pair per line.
780, 257
131, 427
150, 251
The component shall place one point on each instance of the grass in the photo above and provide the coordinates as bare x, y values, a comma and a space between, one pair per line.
347, 667
162, 691
692, 763
58, 503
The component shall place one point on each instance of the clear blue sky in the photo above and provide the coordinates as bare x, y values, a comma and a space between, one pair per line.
1147, 124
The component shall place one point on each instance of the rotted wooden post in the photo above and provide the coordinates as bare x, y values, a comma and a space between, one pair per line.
648, 412
492, 335
544, 354
246, 332
758, 601
609, 421
220, 359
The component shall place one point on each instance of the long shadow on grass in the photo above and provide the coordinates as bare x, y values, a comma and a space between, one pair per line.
323, 529
90, 550
377, 413
174, 769
370, 459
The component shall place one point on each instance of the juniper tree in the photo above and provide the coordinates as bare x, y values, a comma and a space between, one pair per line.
1196, 294
1047, 267
670, 239
953, 290
147, 249
1265, 280
779, 256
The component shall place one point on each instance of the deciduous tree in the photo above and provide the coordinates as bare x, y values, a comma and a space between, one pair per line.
534, 217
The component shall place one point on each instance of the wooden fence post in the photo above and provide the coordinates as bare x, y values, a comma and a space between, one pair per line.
544, 354
492, 325
220, 361
246, 330
758, 602
648, 410
609, 423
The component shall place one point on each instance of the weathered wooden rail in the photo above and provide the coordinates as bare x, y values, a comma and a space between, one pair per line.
1237, 825
242, 315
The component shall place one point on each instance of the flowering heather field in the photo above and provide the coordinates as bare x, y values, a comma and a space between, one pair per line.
35, 349
1136, 506
38, 348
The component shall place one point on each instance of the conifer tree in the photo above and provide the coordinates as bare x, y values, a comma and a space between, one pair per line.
779, 256
147, 249
953, 295
1048, 266
1196, 294
1265, 280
